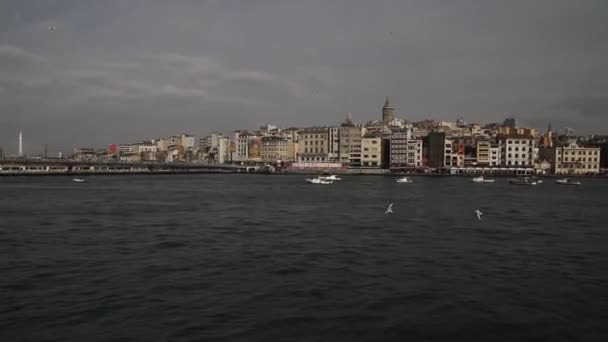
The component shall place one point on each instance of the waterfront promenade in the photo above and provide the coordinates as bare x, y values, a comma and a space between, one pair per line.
41, 167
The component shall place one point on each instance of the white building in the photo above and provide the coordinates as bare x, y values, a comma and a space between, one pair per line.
518, 150
453, 156
575, 159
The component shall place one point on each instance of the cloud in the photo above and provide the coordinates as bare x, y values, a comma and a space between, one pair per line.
15, 59
226, 65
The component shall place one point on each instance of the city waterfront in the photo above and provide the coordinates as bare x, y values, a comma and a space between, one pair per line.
254, 258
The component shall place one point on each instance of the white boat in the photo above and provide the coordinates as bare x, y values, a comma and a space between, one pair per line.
78, 180
318, 181
404, 180
330, 178
523, 181
567, 181
480, 179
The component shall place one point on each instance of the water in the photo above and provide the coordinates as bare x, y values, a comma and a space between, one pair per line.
270, 258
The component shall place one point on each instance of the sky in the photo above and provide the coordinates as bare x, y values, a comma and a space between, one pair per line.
122, 71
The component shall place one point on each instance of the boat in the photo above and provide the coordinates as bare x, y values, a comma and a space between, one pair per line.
318, 181
78, 180
480, 179
330, 178
405, 180
523, 181
567, 181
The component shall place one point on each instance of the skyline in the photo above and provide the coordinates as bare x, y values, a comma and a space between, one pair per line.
121, 71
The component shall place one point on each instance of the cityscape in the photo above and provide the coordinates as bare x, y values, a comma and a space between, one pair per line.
387, 145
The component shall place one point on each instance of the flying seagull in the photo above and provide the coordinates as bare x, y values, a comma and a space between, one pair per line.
389, 210
478, 213
52, 28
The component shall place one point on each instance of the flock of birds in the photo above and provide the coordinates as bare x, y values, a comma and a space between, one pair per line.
389, 210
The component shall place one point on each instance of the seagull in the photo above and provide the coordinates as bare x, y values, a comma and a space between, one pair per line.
52, 28
479, 213
389, 210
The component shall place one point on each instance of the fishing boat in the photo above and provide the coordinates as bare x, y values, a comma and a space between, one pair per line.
567, 181
480, 179
78, 180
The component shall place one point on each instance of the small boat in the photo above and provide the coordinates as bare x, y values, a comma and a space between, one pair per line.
567, 181
318, 181
480, 179
330, 178
78, 180
405, 180
523, 181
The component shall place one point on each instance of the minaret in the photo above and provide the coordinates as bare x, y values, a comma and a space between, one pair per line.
388, 112
20, 144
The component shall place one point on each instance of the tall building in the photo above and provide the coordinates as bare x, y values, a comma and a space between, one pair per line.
518, 150
436, 149
313, 145
388, 111
350, 142
406, 151
372, 152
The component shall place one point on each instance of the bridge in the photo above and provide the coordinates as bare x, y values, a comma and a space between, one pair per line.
76, 167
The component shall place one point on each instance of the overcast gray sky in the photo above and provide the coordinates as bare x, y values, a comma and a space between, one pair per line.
121, 71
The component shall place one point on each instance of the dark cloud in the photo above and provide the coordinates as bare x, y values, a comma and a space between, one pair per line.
128, 70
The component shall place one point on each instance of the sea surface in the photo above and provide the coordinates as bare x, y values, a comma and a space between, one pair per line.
271, 258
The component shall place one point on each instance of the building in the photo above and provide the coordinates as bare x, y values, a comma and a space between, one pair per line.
84, 153
573, 159
388, 111
453, 153
313, 145
273, 149
334, 144
239, 146
436, 149
350, 136
372, 152
187, 141
405, 150
518, 150
488, 153
602, 143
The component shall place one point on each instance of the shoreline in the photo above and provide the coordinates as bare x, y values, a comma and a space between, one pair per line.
289, 173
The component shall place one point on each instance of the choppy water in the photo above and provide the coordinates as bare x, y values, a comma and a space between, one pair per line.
269, 258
